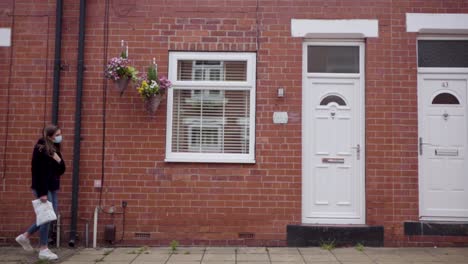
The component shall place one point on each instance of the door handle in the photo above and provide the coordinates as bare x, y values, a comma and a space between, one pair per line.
358, 151
421, 144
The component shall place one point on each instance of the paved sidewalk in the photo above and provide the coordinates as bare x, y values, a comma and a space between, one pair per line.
243, 255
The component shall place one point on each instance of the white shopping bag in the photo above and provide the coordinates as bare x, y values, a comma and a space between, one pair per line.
44, 212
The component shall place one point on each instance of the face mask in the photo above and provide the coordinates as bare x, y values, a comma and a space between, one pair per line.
58, 139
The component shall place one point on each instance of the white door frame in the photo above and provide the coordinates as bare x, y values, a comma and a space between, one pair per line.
422, 71
360, 109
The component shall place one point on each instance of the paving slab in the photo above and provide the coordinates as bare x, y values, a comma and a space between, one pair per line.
321, 262
453, 258
151, 257
199, 250
297, 258
287, 262
83, 258
16, 254
120, 257
220, 250
209, 257
185, 257
353, 258
380, 251
253, 262
318, 259
181, 262
251, 250
356, 261
218, 262
244, 255
384, 257
149, 262
159, 250
314, 251
348, 251
283, 250
253, 258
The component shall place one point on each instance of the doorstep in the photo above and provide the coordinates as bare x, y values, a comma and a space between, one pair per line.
306, 235
436, 228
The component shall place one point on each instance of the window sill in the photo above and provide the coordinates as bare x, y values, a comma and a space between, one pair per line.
208, 160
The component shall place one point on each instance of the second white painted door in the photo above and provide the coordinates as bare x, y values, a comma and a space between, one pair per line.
443, 137
332, 180
333, 136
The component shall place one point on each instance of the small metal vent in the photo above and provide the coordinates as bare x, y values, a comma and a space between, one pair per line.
142, 235
247, 235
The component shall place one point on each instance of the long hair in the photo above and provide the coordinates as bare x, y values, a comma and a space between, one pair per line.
49, 146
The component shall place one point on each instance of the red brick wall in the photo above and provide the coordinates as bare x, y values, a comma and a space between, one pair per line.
190, 202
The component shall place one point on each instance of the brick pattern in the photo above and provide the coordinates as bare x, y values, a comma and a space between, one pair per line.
203, 203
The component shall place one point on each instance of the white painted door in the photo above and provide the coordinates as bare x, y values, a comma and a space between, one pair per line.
333, 148
443, 169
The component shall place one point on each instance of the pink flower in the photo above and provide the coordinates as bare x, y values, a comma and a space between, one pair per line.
164, 83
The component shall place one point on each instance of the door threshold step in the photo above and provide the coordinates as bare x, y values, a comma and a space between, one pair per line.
427, 228
307, 235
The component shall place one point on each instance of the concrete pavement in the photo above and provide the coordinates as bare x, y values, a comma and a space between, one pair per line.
244, 255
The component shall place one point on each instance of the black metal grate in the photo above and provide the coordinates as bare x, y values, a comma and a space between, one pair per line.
142, 235
247, 235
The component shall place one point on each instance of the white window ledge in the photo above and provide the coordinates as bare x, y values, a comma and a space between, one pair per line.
335, 28
5, 37
437, 23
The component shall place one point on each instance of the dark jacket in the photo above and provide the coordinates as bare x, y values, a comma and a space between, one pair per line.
45, 170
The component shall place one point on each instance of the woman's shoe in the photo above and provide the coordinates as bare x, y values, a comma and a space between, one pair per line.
46, 254
24, 242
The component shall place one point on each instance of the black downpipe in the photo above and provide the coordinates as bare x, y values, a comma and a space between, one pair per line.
77, 138
57, 60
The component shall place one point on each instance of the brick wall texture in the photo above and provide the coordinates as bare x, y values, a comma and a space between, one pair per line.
201, 203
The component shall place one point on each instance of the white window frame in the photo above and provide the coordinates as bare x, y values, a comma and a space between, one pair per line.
248, 85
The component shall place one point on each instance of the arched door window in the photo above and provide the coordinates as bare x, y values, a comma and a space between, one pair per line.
445, 98
333, 99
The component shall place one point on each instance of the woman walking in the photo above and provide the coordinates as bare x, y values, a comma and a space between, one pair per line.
47, 166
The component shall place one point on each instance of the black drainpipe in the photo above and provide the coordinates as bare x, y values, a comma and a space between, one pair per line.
77, 138
57, 67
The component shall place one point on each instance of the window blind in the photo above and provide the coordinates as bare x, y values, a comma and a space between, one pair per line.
210, 121
211, 70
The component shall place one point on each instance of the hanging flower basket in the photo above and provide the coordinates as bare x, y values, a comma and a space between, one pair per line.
152, 89
118, 69
152, 103
122, 84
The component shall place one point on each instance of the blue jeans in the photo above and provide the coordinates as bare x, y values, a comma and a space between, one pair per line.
44, 229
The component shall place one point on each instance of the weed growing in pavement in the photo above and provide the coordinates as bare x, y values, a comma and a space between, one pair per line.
359, 247
174, 244
328, 245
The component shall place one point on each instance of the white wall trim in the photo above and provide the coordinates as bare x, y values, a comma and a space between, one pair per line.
437, 23
335, 28
5, 37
